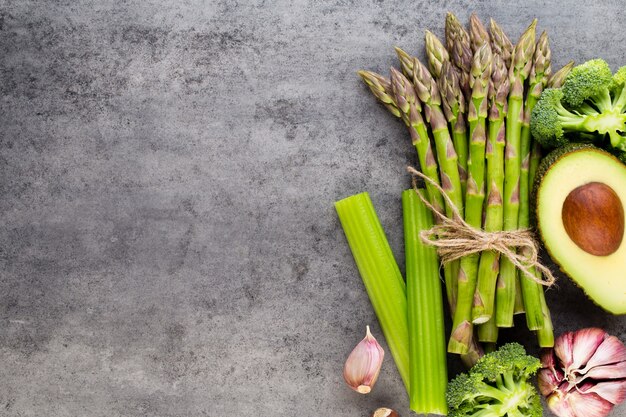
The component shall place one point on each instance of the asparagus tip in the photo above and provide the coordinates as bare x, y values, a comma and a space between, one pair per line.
399, 50
394, 72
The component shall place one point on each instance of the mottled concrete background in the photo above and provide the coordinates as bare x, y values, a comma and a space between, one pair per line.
168, 243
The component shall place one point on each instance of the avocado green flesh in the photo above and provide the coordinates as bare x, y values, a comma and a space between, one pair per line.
603, 278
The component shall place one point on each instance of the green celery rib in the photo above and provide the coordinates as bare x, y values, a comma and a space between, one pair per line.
380, 273
427, 344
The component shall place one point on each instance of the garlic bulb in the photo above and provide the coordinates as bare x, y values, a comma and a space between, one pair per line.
585, 374
363, 364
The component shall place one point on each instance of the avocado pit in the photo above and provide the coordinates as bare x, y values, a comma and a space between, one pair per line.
593, 217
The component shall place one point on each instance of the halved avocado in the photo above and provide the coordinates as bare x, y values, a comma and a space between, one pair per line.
580, 199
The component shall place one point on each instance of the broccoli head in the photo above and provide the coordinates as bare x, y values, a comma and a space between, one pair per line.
590, 106
499, 385
588, 81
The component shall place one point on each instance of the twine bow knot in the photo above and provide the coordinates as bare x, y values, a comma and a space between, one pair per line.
454, 238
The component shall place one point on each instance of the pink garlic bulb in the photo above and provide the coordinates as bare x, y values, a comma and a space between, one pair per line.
363, 364
585, 374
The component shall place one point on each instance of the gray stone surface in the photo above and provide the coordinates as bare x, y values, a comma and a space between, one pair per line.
168, 243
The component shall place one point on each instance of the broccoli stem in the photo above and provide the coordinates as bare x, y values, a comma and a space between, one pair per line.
427, 352
487, 412
520, 69
380, 273
474, 197
487, 390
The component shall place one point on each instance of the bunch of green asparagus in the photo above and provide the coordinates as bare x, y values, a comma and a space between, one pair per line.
473, 100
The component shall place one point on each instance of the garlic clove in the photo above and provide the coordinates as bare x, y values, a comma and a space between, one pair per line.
363, 364
564, 350
577, 404
588, 405
547, 381
559, 405
585, 344
612, 391
612, 350
613, 371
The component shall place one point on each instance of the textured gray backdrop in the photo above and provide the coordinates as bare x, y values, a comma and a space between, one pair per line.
168, 243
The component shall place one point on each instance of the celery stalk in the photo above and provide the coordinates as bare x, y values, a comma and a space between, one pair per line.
427, 341
379, 271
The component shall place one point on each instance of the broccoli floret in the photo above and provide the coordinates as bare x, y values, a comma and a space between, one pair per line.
589, 81
592, 102
499, 385
548, 118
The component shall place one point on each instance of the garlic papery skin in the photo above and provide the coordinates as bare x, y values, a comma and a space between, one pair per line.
584, 375
385, 412
363, 364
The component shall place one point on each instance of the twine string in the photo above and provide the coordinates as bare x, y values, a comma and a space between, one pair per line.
454, 238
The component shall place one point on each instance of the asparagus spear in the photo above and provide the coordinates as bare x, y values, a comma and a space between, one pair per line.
428, 93
518, 306
545, 335
453, 105
409, 109
410, 112
490, 261
488, 331
406, 62
519, 71
459, 47
436, 53
381, 88
474, 197
478, 34
556, 81
398, 96
500, 43
538, 79
558, 78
